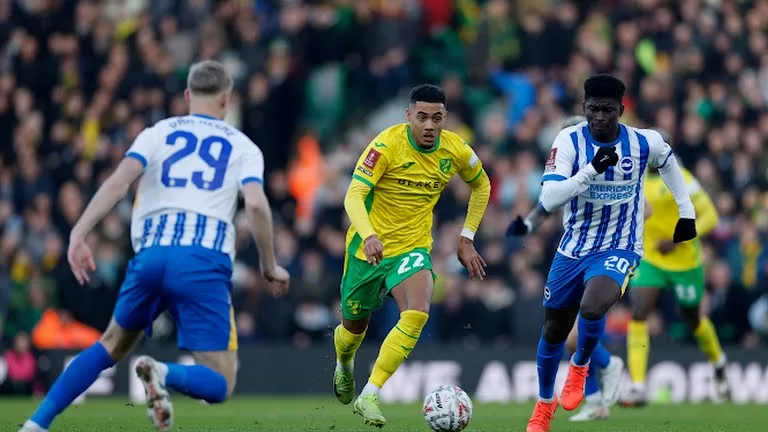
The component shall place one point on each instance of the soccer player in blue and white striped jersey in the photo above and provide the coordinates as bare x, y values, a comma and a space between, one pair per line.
596, 170
192, 169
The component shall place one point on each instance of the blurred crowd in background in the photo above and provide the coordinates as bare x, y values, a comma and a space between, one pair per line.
315, 80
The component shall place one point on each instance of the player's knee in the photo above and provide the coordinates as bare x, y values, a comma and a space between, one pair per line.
117, 341
225, 364
222, 391
225, 393
592, 314
594, 308
357, 327
640, 312
691, 317
230, 388
420, 307
554, 332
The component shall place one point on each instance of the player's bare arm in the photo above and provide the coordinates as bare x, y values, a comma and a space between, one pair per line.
114, 188
260, 220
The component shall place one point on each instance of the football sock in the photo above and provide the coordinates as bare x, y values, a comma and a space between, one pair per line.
75, 379
547, 362
346, 344
638, 348
370, 388
197, 381
590, 333
398, 345
600, 357
592, 385
706, 337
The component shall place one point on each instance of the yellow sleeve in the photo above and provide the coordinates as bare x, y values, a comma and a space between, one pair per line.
369, 168
474, 175
471, 167
706, 213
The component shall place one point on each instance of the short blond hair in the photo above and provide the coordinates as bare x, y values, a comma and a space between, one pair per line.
209, 78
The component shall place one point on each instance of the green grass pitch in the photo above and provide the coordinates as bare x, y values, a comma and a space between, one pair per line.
324, 414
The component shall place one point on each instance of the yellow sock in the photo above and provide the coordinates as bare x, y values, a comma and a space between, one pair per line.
706, 337
638, 348
346, 344
397, 345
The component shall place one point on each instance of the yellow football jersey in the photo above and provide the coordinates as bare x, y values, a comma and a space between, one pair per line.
661, 225
406, 182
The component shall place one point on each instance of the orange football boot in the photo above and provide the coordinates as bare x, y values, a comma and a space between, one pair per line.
542, 416
573, 390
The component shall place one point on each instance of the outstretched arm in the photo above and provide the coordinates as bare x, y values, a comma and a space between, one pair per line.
114, 188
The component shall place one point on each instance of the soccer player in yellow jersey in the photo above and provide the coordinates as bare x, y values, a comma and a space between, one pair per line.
677, 266
395, 186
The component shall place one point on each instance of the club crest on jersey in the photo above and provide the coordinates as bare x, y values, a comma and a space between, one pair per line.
627, 165
371, 158
445, 165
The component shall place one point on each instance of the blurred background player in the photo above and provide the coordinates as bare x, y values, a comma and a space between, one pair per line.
191, 171
599, 169
396, 184
667, 264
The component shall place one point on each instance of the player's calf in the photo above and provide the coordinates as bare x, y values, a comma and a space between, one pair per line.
211, 379
706, 337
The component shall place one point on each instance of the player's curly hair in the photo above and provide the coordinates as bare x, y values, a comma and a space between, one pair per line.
604, 86
427, 93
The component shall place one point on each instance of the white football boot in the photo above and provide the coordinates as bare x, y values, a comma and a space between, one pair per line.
592, 409
159, 408
30, 426
610, 381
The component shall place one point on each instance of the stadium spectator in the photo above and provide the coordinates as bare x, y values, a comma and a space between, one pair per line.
22, 366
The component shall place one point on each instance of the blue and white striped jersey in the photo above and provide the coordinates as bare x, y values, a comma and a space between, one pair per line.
194, 168
608, 215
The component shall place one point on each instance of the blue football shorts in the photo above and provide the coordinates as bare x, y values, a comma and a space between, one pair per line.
568, 276
193, 283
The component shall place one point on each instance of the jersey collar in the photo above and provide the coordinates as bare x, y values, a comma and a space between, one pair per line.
205, 116
588, 136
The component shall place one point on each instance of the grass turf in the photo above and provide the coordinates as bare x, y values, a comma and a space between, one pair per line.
323, 414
